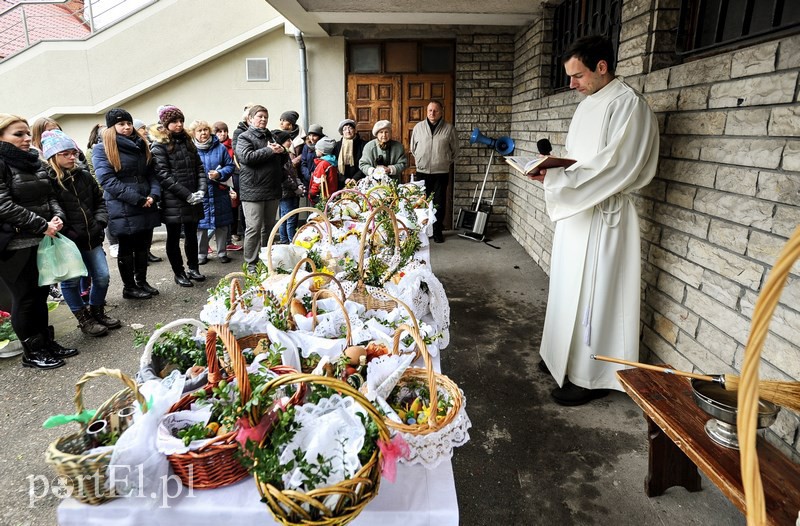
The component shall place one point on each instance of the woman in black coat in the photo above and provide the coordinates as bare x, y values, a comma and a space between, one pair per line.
124, 168
28, 212
183, 185
261, 177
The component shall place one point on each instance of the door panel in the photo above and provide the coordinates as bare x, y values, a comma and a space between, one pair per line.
372, 98
403, 100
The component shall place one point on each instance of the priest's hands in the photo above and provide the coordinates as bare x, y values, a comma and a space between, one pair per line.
538, 177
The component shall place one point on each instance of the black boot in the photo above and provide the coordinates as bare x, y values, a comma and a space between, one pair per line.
182, 280
55, 348
194, 274
140, 273
35, 355
99, 314
88, 324
152, 258
126, 271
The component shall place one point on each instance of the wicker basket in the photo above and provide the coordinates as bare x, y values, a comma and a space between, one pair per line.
248, 341
149, 367
382, 195
435, 382
748, 397
347, 194
87, 473
360, 294
215, 464
286, 506
312, 223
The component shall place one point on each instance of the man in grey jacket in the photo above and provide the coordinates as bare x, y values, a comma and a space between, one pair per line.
435, 147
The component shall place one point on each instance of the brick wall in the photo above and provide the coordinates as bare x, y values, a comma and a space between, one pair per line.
726, 197
484, 72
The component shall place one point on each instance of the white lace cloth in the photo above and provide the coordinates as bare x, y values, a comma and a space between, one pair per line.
168, 444
331, 428
431, 449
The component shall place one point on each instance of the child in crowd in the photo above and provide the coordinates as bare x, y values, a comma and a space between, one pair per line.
325, 179
292, 188
82, 201
220, 129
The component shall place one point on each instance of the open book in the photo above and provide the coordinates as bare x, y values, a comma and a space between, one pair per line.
532, 165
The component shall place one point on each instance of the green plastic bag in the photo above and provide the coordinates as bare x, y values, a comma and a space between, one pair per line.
58, 259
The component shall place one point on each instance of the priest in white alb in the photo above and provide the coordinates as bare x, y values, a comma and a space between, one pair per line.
593, 303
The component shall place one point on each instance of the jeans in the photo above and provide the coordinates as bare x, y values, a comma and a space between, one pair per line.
97, 265
288, 227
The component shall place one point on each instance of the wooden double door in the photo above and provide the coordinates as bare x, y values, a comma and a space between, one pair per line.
401, 99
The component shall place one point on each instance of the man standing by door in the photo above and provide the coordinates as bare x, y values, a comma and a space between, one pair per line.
435, 147
595, 279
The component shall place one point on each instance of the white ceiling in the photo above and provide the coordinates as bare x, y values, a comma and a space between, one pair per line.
314, 17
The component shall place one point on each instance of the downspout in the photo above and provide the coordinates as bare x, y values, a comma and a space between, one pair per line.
301, 45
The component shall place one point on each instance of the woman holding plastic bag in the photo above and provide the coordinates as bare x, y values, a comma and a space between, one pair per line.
23, 179
82, 200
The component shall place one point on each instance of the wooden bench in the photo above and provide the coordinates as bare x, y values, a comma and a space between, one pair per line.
679, 445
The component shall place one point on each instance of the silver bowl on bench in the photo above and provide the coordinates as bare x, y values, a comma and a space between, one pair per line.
721, 405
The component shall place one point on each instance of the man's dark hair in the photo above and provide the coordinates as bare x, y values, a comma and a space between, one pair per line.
591, 50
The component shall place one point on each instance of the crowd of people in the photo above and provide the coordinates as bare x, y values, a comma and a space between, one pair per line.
197, 180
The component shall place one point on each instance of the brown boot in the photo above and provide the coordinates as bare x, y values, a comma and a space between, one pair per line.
88, 324
99, 314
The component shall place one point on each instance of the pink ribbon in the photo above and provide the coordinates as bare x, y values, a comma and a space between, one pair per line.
395, 449
257, 433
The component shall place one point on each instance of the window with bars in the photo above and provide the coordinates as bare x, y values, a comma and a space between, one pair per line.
709, 24
579, 18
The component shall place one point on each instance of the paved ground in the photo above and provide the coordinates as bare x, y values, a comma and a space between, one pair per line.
529, 460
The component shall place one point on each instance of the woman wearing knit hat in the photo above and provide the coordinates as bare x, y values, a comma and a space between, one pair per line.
82, 201
382, 154
180, 171
348, 152
124, 168
28, 212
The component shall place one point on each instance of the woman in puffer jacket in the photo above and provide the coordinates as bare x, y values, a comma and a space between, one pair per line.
217, 209
124, 168
82, 200
183, 186
28, 212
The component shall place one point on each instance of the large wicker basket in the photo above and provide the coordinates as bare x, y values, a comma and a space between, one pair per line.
747, 416
354, 494
360, 294
346, 194
215, 464
86, 473
312, 223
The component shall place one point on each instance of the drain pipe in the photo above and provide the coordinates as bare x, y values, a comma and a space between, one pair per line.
301, 45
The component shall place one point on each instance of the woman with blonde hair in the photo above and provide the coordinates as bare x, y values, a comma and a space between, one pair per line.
28, 212
123, 166
217, 210
82, 200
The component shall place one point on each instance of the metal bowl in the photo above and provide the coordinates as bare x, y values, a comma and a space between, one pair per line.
721, 405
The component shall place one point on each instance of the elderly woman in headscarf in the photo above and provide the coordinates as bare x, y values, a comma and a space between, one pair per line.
348, 151
383, 153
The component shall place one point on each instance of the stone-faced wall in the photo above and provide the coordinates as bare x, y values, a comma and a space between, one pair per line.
484, 72
726, 197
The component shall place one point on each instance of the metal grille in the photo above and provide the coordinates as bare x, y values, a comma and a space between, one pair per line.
579, 18
708, 24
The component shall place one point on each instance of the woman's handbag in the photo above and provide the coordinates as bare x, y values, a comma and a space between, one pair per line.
58, 259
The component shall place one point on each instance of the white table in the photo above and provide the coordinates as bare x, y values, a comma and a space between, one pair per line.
419, 497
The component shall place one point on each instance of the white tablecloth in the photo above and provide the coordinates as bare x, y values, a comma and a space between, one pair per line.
419, 497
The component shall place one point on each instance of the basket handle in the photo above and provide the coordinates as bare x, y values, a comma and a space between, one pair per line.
114, 373
340, 387
391, 198
341, 194
282, 220
313, 275
433, 418
147, 355
747, 416
298, 266
239, 299
329, 293
365, 233
238, 363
